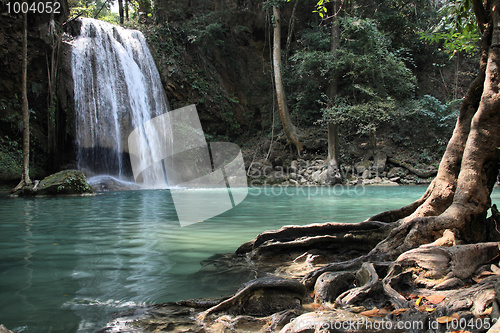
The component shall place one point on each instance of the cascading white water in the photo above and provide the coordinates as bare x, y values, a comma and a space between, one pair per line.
117, 88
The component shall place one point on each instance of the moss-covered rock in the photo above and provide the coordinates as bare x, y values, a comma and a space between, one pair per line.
63, 182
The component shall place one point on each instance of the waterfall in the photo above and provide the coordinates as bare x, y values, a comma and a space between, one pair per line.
117, 89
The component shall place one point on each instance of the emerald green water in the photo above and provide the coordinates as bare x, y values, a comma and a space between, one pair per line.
68, 263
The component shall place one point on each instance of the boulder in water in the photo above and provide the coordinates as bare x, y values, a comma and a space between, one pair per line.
63, 182
109, 183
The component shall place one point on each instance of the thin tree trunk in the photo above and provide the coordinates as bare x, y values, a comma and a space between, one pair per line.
334, 174
25, 178
120, 10
291, 28
288, 127
126, 10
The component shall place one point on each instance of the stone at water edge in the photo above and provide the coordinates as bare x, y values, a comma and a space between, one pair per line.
63, 182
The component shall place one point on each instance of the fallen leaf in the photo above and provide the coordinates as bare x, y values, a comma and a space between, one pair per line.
435, 299
477, 280
313, 306
397, 312
370, 313
485, 273
424, 308
445, 319
419, 301
410, 296
312, 294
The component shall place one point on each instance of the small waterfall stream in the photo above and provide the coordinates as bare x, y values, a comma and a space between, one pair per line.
117, 88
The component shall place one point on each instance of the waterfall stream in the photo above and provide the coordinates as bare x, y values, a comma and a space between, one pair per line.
117, 89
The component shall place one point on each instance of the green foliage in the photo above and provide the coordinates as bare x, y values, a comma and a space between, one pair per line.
457, 29
369, 63
437, 114
101, 9
90, 8
361, 118
436, 117
368, 71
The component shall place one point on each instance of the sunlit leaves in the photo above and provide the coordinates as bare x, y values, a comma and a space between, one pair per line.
465, 41
457, 29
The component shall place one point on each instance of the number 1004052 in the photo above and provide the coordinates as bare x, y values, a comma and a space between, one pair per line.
15, 7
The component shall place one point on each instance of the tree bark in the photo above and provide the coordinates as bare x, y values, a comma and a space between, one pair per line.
291, 28
25, 178
459, 196
334, 174
288, 127
126, 10
120, 10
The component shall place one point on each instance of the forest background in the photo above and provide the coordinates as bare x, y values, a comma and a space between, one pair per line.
399, 78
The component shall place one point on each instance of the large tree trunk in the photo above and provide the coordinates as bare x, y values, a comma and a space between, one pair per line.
459, 196
25, 179
288, 127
